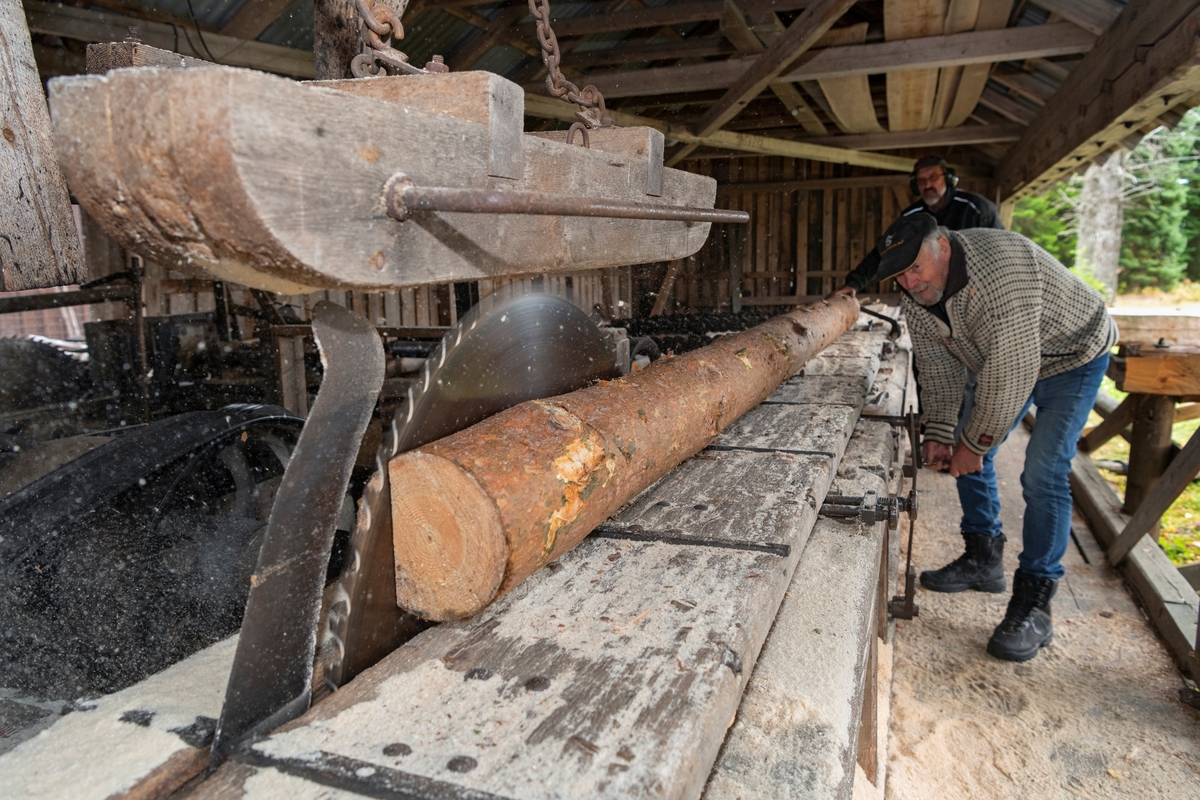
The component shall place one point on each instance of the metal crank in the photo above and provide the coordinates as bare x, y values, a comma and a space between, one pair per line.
872, 509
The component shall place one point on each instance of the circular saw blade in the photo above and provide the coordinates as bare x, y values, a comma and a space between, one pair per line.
505, 351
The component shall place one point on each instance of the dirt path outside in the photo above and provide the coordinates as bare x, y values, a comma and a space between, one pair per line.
1095, 714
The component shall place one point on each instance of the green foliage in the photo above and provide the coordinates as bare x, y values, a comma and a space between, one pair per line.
1046, 219
1160, 239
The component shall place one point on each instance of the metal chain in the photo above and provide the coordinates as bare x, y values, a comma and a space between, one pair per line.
380, 23
591, 103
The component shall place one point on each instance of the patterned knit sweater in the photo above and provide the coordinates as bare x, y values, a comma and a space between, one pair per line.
1020, 317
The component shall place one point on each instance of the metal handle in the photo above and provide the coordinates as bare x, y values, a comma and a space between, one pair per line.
403, 198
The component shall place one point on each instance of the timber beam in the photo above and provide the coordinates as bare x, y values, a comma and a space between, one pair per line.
1144, 65
549, 108
88, 25
959, 49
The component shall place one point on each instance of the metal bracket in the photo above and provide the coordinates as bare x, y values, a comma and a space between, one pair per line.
871, 508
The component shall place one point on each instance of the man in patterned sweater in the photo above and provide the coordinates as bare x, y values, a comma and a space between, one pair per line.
994, 303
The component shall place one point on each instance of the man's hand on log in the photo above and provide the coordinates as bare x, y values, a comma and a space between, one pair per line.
846, 290
965, 462
936, 455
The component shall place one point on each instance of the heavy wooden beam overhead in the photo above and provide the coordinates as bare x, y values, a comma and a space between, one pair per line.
254, 17
1146, 63
812, 23
1007, 107
975, 47
677, 14
942, 137
992, 15
655, 51
549, 108
103, 26
767, 29
1092, 15
498, 28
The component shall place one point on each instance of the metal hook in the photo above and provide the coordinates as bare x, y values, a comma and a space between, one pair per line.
579, 126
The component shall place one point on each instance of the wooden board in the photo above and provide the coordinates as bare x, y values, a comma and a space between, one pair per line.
910, 94
992, 15
961, 16
850, 97
39, 245
1149, 325
806, 729
614, 672
1162, 372
274, 184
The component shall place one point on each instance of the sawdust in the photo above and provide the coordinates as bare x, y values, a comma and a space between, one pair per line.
1095, 714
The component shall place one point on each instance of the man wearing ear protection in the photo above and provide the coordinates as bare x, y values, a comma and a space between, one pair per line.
934, 180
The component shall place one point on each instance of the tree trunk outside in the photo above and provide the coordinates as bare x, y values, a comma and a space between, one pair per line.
1098, 249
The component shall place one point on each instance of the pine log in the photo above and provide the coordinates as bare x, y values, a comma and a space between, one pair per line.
39, 245
476, 513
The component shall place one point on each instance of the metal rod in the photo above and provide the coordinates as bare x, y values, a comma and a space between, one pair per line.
81, 297
403, 199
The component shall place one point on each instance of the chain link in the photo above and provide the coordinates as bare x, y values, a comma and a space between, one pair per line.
591, 103
380, 23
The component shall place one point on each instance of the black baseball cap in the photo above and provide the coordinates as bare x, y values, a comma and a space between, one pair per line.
901, 243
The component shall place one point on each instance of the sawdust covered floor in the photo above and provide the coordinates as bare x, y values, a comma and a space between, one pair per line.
1095, 714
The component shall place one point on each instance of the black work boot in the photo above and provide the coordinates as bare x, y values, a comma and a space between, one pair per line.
980, 568
1027, 625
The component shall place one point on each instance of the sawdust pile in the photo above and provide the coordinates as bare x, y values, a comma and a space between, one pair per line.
1094, 715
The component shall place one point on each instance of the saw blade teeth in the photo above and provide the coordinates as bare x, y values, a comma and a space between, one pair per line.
411, 403
396, 433
441, 361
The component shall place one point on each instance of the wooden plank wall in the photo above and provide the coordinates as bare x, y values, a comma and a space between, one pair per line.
799, 241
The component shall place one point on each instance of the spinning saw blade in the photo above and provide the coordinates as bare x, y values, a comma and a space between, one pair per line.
504, 351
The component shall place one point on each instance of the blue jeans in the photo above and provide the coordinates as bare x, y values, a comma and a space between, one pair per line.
1063, 403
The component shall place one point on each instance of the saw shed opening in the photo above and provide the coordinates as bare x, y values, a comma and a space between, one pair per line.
455, 398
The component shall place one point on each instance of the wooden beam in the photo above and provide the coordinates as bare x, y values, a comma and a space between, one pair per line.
254, 17
1091, 15
655, 51
849, 96
942, 137
975, 47
768, 29
87, 25
1007, 107
477, 45
1026, 85
993, 15
677, 14
1141, 67
548, 107
961, 17
39, 245
862, 182
911, 93
335, 38
1169, 601
814, 21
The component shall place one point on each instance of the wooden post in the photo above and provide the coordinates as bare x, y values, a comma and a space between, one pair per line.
335, 38
1150, 448
476, 513
39, 245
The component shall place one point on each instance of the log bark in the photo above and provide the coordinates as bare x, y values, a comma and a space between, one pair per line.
39, 245
479, 511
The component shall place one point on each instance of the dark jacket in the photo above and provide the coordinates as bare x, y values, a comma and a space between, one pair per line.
961, 210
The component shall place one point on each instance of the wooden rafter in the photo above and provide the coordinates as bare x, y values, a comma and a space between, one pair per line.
814, 21
1092, 15
548, 107
976, 47
676, 14
254, 17
1146, 63
101, 26
942, 137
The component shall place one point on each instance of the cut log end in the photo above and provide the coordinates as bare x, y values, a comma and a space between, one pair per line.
451, 550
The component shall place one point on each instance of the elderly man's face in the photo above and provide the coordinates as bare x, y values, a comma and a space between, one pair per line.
926, 279
931, 183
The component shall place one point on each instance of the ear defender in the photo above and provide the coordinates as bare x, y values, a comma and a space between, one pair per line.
932, 161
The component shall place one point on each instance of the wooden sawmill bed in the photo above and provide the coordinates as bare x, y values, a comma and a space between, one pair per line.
713, 639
